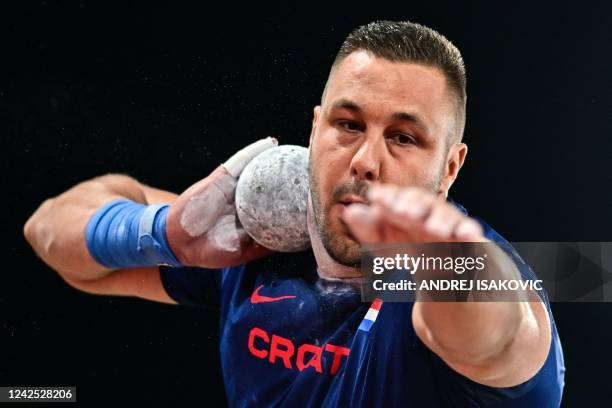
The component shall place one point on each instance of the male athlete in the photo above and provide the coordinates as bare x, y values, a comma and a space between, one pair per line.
385, 148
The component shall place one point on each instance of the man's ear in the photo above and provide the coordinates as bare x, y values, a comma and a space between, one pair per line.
454, 162
315, 121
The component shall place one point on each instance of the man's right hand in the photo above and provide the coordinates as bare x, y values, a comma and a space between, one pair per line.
203, 227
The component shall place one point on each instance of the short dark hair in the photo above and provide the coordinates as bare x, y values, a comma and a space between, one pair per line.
405, 41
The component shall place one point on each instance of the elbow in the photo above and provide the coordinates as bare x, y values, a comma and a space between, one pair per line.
35, 232
29, 229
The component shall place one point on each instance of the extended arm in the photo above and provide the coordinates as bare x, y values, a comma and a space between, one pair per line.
499, 344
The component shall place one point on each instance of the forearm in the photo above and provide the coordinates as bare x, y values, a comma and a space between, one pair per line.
483, 349
480, 328
56, 230
468, 332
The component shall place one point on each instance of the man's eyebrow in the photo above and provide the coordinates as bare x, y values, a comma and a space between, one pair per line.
410, 117
346, 104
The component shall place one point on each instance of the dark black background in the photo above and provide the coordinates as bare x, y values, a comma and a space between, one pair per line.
167, 93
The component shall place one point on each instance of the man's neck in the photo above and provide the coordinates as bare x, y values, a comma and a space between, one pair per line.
328, 268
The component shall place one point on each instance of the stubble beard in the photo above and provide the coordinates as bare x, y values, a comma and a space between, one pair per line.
340, 247
343, 248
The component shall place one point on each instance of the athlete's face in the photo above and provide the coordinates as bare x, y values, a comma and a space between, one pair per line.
380, 121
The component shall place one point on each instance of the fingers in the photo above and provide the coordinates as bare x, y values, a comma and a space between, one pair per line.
363, 222
403, 207
397, 214
228, 244
469, 230
235, 164
422, 213
442, 220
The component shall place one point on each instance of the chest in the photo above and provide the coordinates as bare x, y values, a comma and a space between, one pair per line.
286, 340
290, 326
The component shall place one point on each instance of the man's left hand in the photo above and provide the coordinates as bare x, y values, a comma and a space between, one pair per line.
409, 214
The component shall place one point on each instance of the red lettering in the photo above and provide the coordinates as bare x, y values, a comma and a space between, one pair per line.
308, 355
257, 332
338, 353
315, 361
285, 354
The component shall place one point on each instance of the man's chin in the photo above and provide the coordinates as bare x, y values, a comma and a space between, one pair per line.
344, 250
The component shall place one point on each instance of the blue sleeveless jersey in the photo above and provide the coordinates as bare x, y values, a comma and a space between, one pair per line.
289, 338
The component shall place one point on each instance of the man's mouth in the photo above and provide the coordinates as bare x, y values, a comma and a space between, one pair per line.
349, 199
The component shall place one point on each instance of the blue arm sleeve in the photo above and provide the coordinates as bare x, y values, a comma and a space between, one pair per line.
124, 234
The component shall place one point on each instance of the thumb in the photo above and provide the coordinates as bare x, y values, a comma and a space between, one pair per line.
235, 164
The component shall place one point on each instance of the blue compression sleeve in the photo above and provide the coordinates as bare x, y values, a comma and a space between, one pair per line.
124, 234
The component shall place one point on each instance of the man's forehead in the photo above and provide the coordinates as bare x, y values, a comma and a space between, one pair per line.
377, 84
364, 72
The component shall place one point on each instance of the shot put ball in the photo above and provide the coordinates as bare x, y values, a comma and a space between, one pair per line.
272, 197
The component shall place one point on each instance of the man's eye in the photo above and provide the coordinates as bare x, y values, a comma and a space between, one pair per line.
350, 126
403, 140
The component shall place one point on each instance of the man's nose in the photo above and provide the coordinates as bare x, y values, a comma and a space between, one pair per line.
365, 164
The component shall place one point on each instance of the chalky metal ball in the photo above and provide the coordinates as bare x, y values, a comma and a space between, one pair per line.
272, 197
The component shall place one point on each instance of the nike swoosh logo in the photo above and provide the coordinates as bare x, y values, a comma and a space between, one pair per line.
257, 298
